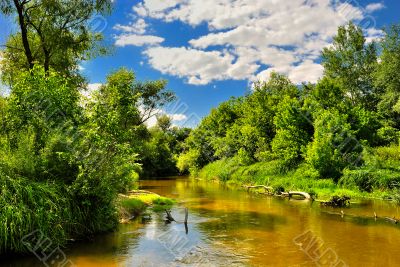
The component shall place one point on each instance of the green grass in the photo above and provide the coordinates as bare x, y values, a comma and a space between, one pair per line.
28, 206
136, 204
303, 179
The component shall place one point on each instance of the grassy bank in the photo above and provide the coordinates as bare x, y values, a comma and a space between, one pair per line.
37, 208
365, 182
135, 203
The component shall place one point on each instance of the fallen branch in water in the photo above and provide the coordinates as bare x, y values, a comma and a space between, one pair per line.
297, 193
269, 190
169, 216
393, 220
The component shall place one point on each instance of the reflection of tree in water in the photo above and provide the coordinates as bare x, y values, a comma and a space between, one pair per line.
234, 221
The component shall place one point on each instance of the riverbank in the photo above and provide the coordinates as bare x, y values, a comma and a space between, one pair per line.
267, 227
360, 183
136, 202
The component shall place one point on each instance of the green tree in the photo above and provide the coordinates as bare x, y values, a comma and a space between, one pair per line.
43, 101
164, 122
334, 145
387, 77
53, 34
293, 132
352, 62
255, 129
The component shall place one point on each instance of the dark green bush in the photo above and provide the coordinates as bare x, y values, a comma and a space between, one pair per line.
361, 179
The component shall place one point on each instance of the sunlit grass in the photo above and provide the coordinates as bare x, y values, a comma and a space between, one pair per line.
302, 179
137, 203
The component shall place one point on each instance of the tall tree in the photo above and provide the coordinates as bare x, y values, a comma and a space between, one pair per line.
352, 62
55, 34
387, 76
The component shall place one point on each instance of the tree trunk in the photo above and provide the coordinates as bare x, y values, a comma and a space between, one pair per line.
24, 33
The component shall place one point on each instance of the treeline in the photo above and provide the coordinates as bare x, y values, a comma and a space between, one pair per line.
345, 128
64, 157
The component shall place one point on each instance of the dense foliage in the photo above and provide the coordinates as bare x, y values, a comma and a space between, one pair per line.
344, 128
64, 157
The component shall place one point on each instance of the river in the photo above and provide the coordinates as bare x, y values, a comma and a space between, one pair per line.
231, 227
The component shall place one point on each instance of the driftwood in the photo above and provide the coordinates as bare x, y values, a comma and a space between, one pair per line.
269, 189
297, 193
393, 220
169, 216
170, 219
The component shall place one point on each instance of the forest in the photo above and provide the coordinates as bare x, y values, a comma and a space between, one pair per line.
338, 136
65, 156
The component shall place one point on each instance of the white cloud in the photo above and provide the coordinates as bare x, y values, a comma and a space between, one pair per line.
177, 117
199, 67
155, 8
374, 7
137, 40
138, 27
248, 39
373, 35
134, 33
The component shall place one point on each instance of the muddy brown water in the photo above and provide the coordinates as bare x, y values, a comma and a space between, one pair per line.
230, 227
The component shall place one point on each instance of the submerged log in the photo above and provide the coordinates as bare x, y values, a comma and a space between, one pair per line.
393, 220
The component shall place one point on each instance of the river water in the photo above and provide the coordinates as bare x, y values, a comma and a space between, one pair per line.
231, 227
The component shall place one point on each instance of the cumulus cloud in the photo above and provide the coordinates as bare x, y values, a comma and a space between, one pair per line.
134, 34
248, 39
138, 27
199, 67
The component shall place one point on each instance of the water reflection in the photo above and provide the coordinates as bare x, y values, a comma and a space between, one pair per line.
233, 228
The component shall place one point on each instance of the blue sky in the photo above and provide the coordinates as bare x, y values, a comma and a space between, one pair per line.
211, 50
